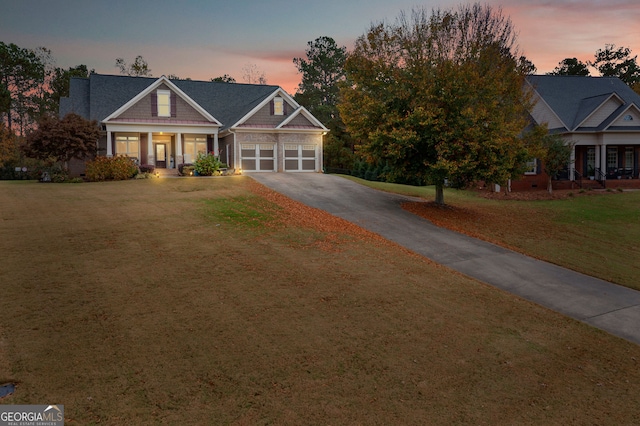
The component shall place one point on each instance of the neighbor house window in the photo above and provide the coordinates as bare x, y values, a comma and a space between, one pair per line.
194, 145
628, 117
164, 103
612, 158
532, 167
628, 158
591, 161
128, 145
278, 106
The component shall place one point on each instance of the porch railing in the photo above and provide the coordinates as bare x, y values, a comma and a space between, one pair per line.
601, 178
577, 178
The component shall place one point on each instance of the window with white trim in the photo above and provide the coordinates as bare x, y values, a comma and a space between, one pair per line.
531, 167
194, 145
612, 158
278, 106
164, 103
128, 145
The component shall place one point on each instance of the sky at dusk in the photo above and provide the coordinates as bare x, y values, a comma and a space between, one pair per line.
203, 39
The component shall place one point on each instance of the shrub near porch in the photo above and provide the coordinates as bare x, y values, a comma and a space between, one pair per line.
111, 168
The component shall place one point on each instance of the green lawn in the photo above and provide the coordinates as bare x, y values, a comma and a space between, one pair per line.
594, 233
217, 301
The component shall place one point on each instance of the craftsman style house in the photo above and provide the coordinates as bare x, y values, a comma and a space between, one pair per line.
165, 122
600, 116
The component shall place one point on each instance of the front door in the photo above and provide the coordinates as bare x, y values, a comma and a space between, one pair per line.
161, 156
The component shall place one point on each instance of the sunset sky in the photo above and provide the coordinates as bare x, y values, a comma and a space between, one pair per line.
202, 39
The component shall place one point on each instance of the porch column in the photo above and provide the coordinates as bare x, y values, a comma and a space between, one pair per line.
603, 159
150, 154
109, 145
572, 164
216, 151
179, 157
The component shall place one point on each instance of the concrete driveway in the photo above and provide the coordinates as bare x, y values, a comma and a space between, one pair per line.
607, 306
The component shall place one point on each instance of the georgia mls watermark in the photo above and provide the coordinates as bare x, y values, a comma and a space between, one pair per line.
31, 415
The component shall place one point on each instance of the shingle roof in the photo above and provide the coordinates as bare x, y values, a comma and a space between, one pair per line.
100, 95
574, 98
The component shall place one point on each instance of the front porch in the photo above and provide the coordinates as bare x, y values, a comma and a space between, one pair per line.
161, 149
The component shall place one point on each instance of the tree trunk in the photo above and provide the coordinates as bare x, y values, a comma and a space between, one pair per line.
440, 194
550, 186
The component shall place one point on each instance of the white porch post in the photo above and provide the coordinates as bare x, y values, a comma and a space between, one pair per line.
216, 151
150, 154
109, 145
572, 164
179, 157
603, 159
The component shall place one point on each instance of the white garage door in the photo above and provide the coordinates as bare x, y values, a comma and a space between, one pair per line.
300, 158
258, 157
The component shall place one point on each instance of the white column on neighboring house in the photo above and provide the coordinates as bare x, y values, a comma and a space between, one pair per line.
150, 154
603, 159
109, 145
179, 157
572, 164
216, 151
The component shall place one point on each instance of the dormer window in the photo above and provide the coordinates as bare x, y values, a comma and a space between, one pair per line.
164, 103
628, 117
278, 106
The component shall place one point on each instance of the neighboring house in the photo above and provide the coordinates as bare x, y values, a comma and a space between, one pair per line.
165, 122
600, 116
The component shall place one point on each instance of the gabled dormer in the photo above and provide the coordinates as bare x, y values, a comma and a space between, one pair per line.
628, 117
162, 101
277, 111
594, 111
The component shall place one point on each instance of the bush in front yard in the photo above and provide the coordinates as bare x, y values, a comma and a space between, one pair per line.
147, 168
111, 168
184, 169
206, 164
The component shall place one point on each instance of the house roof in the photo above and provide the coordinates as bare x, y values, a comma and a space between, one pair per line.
575, 98
99, 96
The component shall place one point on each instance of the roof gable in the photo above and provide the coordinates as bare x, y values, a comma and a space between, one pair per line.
286, 120
626, 118
162, 82
301, 118
592, 112
578, 101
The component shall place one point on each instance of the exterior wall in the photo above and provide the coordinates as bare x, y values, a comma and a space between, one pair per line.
543, 114
584, 139
263, 117
227, 151
601, 113
102, 144
632, 123
142, 109
621, 138
300, 120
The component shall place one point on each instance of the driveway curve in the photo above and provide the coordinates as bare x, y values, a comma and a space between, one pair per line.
604, 305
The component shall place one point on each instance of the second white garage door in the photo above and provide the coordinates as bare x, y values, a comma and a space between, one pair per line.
300, 158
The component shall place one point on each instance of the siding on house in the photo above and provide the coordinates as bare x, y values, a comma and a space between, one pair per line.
543, 114
635, 122
142, 109
300, 120
602, 113
264, 116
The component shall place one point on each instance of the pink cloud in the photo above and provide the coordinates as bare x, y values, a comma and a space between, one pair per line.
551, 31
